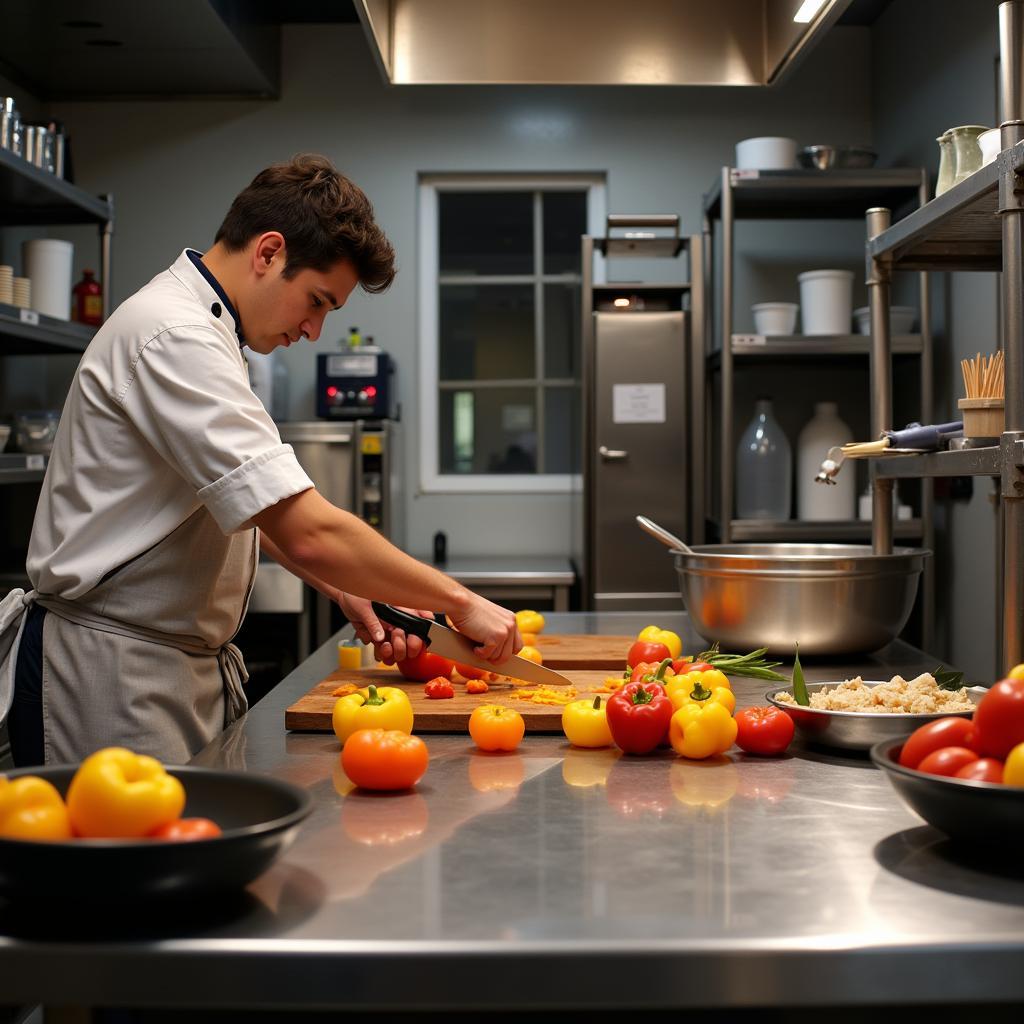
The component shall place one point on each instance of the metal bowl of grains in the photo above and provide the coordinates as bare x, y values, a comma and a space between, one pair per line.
857, 720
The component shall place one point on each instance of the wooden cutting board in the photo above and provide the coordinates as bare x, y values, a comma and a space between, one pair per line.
312, 712
568, 651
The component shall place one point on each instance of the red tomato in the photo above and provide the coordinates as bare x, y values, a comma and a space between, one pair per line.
946, 732
985, 769
999, 720
647, 650
425, 666
764, 731
384, 759
947, 761
184, 829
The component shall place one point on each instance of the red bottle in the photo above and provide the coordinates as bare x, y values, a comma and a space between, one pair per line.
88, 295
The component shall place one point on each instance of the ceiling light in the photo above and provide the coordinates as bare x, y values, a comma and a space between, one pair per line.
808, 9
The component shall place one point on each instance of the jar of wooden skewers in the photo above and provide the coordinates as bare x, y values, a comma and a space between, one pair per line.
982, 409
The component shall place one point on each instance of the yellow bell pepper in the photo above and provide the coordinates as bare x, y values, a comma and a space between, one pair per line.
373, 707
31, 808
585, 724
701, 688
1013, 769
701, 730
118, 794
530, 621
656, 635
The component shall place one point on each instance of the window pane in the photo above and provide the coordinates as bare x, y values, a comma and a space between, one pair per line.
489, 430
486, 232
562, 430
562, 330
565, 220
487, 332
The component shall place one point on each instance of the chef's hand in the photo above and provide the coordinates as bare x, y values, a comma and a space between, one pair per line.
390, 644
493, 627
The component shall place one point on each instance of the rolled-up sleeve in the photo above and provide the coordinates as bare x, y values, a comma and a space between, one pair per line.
189, 396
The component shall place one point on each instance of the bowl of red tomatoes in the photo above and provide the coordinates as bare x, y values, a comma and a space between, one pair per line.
965, 777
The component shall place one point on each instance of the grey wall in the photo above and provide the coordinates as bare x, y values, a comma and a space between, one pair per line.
947, 78
174, 167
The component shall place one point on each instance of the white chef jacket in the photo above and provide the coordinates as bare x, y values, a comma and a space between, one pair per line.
160, 419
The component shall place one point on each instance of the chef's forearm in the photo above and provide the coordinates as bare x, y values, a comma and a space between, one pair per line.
340, 550
269, 548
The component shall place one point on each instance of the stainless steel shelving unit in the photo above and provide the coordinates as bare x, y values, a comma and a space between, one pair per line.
801, 195
978, 225
30, 196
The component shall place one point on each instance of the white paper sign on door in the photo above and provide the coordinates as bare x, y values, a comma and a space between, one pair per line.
638, 403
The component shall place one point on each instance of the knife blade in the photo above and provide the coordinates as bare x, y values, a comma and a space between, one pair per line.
449, 643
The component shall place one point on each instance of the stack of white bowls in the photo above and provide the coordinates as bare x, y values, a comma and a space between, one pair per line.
22, 289
7, 285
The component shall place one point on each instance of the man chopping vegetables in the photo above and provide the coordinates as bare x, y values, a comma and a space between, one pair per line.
168, 476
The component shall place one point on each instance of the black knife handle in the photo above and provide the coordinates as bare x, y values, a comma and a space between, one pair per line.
412, 624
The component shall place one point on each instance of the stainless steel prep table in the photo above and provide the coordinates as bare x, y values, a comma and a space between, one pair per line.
543, 880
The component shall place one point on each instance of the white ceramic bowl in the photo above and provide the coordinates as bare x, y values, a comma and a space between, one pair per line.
775, 317
766, 153
991, 145
901, 319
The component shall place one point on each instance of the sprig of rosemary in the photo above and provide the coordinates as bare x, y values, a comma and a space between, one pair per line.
752, 665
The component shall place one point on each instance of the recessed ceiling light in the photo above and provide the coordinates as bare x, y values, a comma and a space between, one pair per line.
104, 42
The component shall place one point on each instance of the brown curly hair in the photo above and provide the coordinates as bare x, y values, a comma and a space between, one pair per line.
322, 215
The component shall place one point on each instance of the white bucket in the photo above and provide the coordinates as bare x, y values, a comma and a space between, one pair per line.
766, 153
826, 301
773, 318
47, 263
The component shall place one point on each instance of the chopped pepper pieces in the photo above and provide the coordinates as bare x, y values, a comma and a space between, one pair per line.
439, 689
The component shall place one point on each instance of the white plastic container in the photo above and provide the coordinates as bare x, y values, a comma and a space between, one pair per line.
764, 468
822, 501
766, 153
991, 145
901, 319
775, 317
47, 264
826, 301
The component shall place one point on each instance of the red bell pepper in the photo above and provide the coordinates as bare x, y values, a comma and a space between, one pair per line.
681, 666
638, 716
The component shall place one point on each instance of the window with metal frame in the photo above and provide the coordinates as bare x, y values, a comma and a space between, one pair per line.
500, 329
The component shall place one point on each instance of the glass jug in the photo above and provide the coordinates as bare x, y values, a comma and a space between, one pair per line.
947, 164
764, 467
967, 149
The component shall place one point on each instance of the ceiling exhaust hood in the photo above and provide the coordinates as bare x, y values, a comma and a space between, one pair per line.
592, 42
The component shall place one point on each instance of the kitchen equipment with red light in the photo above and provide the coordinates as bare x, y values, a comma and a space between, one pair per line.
355, 384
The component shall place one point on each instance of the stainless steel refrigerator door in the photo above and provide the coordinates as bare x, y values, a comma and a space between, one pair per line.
327, 452
639, 455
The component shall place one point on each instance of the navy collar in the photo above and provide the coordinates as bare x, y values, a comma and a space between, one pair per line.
197, 260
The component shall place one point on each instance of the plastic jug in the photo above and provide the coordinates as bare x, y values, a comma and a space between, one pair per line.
764, 467
818, 501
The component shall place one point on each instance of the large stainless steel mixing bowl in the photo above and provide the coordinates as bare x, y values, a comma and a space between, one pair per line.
829, 598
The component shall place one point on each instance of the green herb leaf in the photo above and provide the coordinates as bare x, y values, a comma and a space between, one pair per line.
947, 679
799, 685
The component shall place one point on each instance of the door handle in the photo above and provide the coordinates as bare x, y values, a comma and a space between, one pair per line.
612, 454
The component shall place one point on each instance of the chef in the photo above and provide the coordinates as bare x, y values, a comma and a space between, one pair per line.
168, 476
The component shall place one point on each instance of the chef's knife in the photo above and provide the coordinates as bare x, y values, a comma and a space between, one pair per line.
443, 640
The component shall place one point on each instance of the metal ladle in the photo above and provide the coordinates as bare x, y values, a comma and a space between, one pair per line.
669, 539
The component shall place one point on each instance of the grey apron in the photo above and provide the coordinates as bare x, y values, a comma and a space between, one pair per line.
144, 660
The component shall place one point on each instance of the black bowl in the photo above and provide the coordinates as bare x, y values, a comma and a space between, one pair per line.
978, 813
259, 817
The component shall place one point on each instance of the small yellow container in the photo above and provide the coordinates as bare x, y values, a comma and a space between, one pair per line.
983, 417
350, 654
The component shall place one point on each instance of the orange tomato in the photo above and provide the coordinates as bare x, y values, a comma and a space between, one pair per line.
184, 829
384, 759
494, 727
531, 654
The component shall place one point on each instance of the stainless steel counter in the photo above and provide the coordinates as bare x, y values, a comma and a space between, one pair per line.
562, 878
